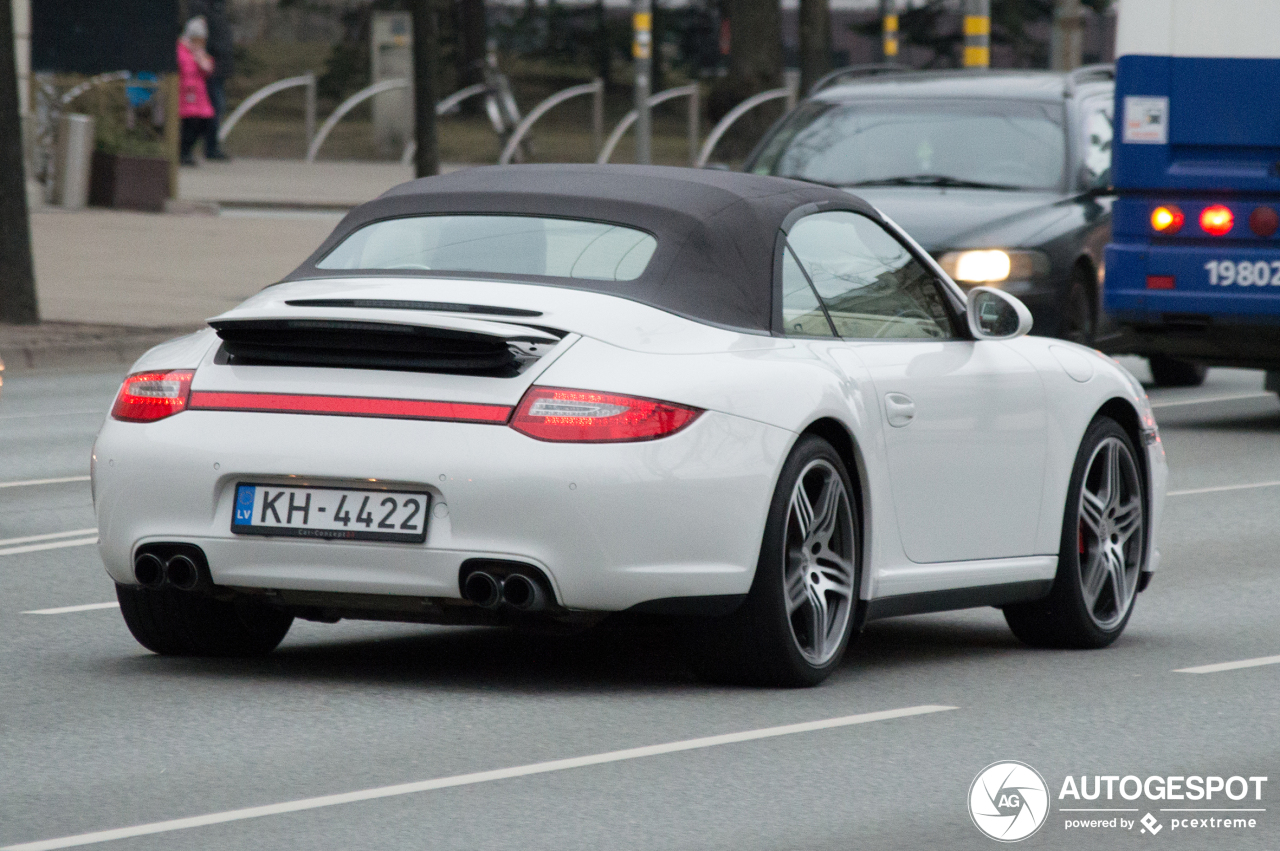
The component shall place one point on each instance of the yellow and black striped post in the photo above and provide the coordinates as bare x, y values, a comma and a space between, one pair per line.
977, 33
889, 17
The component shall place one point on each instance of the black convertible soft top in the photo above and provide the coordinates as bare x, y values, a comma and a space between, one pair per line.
716, 230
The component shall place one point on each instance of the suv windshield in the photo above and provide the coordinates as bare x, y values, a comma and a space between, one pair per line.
513, 245
996, 144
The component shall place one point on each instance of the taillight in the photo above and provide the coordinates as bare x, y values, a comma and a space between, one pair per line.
149, 396
1264, 221
581, 416
1217, 220
1166, 219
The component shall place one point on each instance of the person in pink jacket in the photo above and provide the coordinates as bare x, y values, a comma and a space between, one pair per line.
194, 65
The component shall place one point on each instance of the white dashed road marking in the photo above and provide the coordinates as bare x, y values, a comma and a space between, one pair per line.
1207, 399
32, 482
66, 610
469, 779
1220, 488
48, 541
1230, 666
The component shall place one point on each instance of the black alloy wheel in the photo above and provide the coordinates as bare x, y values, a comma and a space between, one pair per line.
1079, 323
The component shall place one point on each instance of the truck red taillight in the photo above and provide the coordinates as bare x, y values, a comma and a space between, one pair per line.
149, 396
582, 416
1166, 219
1217, 220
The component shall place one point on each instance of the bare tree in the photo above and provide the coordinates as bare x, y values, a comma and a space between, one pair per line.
815, 41
17, 272
755, 60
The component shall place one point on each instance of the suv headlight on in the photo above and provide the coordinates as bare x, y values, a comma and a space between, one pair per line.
994, 266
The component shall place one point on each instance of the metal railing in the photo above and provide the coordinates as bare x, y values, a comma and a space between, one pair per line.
789, 92
595, 88
695, 112
308, 80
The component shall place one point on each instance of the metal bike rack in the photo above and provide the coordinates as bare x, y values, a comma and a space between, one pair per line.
93, 82
690, 91
444, 107
307, 80
348, 105
787, 92
594, 88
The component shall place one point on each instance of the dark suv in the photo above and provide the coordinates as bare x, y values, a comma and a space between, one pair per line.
1000, 175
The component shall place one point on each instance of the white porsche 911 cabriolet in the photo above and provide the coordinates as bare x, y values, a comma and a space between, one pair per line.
531, 393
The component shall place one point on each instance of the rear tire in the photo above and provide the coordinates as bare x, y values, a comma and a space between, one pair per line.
795, 624
1102, 549
180, 623
1173, 372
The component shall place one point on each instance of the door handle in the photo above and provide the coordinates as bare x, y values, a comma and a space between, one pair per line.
899, 409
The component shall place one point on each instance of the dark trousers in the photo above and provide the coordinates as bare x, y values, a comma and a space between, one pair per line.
193, 129
218, 96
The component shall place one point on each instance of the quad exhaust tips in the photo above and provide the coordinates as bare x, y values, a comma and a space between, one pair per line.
153, 570
483, 589
148, 569
515, 590
521, 592
182, 573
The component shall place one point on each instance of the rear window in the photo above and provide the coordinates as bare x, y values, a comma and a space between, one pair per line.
515, 245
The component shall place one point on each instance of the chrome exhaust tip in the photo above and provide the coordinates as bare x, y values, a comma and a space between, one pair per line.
182, 573
148, 569
521, 592
483, 589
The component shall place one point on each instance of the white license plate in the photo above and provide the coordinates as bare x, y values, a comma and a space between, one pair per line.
345, 514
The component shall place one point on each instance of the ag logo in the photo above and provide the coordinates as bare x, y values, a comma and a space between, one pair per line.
1008, 801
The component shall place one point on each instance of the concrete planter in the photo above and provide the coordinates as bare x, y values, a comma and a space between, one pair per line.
129, 183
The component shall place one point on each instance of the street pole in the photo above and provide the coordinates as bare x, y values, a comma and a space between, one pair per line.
641, 51
889, 28
426, 50
1066, 42
977, 33
17, 272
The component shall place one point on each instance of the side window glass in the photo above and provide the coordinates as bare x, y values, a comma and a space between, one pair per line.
870, 283
802, 315
1098, 131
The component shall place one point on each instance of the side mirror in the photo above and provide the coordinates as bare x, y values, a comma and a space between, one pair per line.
996, 315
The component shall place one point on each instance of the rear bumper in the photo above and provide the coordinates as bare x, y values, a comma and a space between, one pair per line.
612, 525
1218, 324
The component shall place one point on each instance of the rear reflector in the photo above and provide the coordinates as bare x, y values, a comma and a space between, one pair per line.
1159, 282
1264, 221
349, 406
149, 396
581, 416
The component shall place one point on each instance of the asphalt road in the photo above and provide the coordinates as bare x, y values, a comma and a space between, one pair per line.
97, 734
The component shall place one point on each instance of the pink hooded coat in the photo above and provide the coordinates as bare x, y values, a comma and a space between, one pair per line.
193, 96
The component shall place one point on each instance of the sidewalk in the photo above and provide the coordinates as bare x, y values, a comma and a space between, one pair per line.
111, 284
292, 183
289, 183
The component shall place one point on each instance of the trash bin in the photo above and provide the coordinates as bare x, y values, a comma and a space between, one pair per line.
73, 161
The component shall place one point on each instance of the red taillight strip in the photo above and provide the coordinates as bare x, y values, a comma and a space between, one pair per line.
348, 406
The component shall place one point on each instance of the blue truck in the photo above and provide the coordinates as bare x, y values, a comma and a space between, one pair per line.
1192, 274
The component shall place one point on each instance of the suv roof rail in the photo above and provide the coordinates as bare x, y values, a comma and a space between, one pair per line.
867, 70
1091, 74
